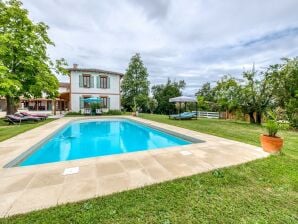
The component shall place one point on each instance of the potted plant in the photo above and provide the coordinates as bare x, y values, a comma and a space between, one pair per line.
271, 142
94, 106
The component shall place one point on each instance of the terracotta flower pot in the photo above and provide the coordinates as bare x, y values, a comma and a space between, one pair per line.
271, 144
133, 113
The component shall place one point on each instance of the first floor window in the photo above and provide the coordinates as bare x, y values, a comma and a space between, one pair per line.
86, 81
103, 82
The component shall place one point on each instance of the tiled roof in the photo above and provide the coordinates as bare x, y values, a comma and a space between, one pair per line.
64, 84
93, 70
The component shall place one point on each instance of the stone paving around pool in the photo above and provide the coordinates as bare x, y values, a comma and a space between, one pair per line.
24, 189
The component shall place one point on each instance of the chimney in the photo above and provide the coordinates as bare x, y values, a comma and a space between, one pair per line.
75, 66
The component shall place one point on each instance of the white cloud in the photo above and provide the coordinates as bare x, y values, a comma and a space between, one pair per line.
197, 41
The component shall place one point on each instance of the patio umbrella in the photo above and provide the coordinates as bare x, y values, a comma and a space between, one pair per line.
92, 100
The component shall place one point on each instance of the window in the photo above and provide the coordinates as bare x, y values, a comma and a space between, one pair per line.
103, 82
86, 81
104, 102
85, 104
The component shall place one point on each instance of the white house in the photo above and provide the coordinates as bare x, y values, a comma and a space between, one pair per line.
87, 82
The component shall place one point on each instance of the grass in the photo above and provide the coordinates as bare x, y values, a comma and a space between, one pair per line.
262, 191
8, 131
235, 130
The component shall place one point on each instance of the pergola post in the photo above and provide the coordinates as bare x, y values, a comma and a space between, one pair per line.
197, 110
179, 109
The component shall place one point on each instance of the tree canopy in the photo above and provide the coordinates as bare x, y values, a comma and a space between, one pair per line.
135, 84
255, 95
284, 80
152, 104
256, 92
206, 92
226, 93
25, 68
163, 92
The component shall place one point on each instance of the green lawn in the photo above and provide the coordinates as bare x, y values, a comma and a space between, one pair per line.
8, 131
262, 191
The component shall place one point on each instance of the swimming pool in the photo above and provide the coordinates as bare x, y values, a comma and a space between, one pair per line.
84, 139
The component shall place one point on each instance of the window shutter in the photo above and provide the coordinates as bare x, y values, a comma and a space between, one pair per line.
80, 81
92, 81
108, 103
98, 81
108, 82
81, 102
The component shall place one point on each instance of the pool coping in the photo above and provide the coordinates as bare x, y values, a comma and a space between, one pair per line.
27, 188
20, 158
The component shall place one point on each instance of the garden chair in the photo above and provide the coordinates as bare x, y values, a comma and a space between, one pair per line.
87, 111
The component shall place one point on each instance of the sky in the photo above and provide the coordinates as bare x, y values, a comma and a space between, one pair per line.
193, 40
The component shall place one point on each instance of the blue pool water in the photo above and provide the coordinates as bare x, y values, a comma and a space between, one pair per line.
83, 139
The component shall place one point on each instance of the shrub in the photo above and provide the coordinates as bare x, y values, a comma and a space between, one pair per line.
113, 112
73, 113
272, 127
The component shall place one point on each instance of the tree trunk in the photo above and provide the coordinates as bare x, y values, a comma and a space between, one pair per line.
10, 104
258, 117
252, 118
54, 107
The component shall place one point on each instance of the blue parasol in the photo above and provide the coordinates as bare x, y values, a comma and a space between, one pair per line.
92, 100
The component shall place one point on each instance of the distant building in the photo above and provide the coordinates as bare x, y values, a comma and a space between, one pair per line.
88, 82
45, 104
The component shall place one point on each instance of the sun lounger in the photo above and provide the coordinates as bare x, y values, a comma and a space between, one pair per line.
183, 116
173, 116
28, 118
12, 119
42, 116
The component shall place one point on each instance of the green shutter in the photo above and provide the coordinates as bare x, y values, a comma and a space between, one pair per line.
80, 81
108, 103
81, 103
92, 81
98, 81
108, 82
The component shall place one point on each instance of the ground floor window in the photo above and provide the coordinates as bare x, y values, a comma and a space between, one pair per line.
84, 104
104, 102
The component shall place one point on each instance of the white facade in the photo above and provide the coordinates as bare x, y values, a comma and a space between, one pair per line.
110, 92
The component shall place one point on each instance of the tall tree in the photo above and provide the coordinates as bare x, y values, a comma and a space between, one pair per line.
284, 78
26, 70
205, 97
152, 104
226, 93
162, 93
206, 91
135, 84
256, 95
